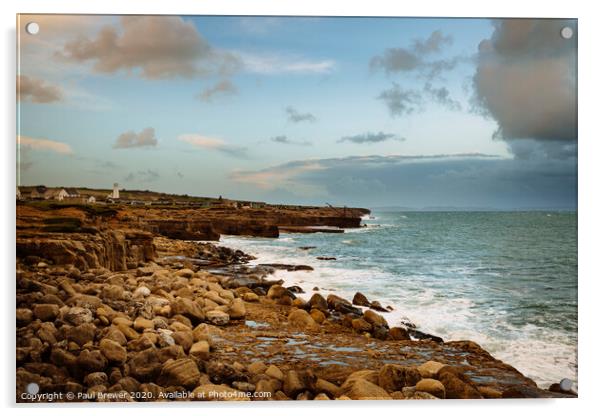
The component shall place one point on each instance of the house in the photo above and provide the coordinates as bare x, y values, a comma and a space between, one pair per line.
38, 192
58, 194
90, 200
72, 193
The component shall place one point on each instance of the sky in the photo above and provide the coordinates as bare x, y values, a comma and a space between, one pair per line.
364, 112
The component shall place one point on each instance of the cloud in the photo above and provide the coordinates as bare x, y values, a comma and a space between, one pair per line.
212, 143
526, 80
370, 138
445, 180
401, 101
271, 64
44, 144
297, 117
224, 87
442, 96
131, 139
285, 140
154, 47
413, 59
37, 91
143, 176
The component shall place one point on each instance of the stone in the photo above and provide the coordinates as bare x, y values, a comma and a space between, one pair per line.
489, 393
113, 352
182, 372
361, 389
120, 320
422, 395
129, 332
24, 316
62, 358
237, 309
96, 379
205, 332
188, 308
183, 338
380, 332
250, 297
429, 369
431, 386
186, 273
78, 315
276, 292
360, 325
393, 377
145, 365
81, 334
116, 335
377, 306
46, 312
368, 375
398, 333
274, 372
360, 300
457, 385
339, 304
317, 301
321, 396
113, 292
200, 350
141, 324
257, 367
213, 392
323, 386
141, 292
300, 319
91, 361
375, 319
293, 384
318, 316
217, 317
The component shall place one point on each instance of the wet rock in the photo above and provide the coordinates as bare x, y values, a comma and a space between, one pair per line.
380, 332
431, 386
423, 335
377, 306
317, 301
217, 317
398, 333
318, 316
375, 319
489, 393
360, 325
342, 305
113, 352
360, 299
237, 309
274, 372
46, 312
205, 332
182, 372
293, 384
188, 308
393, 377
200, 350
277, 292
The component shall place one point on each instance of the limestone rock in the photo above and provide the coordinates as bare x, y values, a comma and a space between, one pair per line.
217, 317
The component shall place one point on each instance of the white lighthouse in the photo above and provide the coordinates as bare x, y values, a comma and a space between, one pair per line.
115, 194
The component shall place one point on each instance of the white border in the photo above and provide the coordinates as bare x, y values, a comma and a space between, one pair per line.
590, 207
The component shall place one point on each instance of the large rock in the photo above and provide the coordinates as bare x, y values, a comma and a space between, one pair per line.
91, 361
393, 377
360, 325
301, 319
399, 334
375, 319
361, 389
145, 365
317, 301
81, 334
293, 384
217, 317
342, 305
183, 372
114, 352
188, 308
360, 299
430, 369
457, 385
237, 309
431, 386
78, 315
46, 312
200, 350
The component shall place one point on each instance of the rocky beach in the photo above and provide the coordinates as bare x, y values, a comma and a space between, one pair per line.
128, 303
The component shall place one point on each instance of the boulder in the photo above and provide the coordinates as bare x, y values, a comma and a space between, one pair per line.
200, 350
293, 384
398, 333
360, 325
457, 385
360, 300
300, 319
96, 379
46, 312
24, 316
318, 316
182, 372
342, 305
323, 386
362, 389
275, 373
317, 301
250, 297
393, 377
429, 369
431, 386
113, 352
188, 308
217, 317
183, 338
145, 365
375, 319
237, 309
257, 367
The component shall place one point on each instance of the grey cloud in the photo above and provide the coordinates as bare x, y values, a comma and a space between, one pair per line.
400, 101
282, 139
370, 137
156, 47
37, 91
131, 139
143, 176
526, 80
433, 43
224, 87
441, 95
298, 117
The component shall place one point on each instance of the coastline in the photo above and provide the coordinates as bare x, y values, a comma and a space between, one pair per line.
122, 311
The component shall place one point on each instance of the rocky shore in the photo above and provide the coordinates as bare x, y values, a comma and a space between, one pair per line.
112, 307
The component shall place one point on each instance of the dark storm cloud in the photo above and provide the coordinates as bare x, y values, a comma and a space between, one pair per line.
131, 139
462, 180
370, 137
526, 81
297, 117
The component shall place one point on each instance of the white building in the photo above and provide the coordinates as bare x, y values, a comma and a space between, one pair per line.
115, 194
91, 200
58, 194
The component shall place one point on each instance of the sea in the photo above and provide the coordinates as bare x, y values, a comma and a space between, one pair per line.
506, 280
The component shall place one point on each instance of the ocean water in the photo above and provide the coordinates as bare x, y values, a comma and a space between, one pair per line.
506, 280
